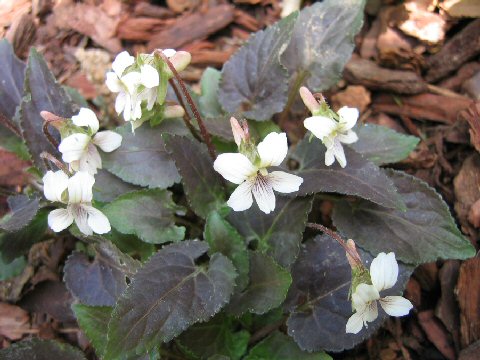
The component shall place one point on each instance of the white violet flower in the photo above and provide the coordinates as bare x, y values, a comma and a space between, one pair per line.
333, 133
76, 192
126, 86
80, 149
254, 177
384, 274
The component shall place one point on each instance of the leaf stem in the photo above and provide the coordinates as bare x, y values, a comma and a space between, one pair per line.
292, 95
186, 118
10, 125
203, 130
47, 156
48, 135
338, 238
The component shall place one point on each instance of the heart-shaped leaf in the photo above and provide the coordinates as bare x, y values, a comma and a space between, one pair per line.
360, 177
39, 349
108, 187
148, 214
12, 75
279, 346
12, 268
278, 233
95, 283
41, 92
202, 184
267, 288
93, 320
216, 337
166, 296
23, 209
382, 145
142, 158
253, 80
318, 298
323, 41
423, 233
223, 238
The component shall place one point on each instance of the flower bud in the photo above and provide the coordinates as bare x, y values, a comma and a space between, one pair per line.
309, 100
360, 273
173, 111
54, 120
238, 131
180, 60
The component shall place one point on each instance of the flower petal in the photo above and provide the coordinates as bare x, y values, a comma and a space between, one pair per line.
354, 324
284, 182
234, 167
54, 184
263, 192
329, 156
86, 117
241, 199
91, 160
121, 62
80, 188
73, 147
113, 82
81, 218
320, 126
339, 153
348, 116
107, 140
59, 219
370, 312
169, 52
97, 220
348, 138
363, 295
273, 149
396, 305
131, 81
149, 76
120, 102
384, 271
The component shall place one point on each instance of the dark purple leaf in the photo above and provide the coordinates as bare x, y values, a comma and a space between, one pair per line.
23, 209
38, 349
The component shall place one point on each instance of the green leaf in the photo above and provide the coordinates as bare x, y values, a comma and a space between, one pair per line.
142, 158
216, 337
267, 288
38, 349
382, 145
93, 320
360, 177
323, 41
23, 209
253, 80
202, 185
208, 101
166, 296
279, 346
131, 245
41, 92
96, 283
318, 298
17, 243
11, 269
278, 233
223, 238
108, 187
148, 214
423, 233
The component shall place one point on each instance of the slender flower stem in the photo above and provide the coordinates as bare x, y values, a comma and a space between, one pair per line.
48, 135
292, 96
203, 130
10, 125
338, 238
47, 156
186, 118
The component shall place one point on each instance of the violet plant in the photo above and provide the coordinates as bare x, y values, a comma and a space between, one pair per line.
183, 264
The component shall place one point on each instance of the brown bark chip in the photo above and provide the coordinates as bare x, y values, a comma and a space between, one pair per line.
14, 321
468, 292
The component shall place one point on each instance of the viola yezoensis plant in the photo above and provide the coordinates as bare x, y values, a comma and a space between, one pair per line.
248, 169
174, 262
